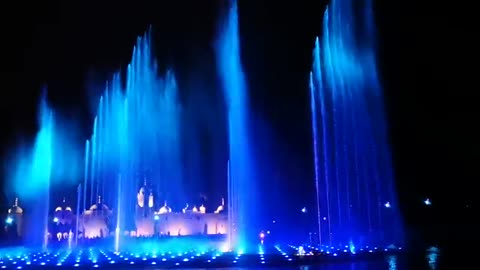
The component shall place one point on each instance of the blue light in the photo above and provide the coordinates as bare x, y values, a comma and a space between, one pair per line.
353, 166
353, 144
242, 185
427, 202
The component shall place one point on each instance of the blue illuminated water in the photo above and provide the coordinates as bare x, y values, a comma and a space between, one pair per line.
37, 176
357, 203
243, 197
135, 139
33, 169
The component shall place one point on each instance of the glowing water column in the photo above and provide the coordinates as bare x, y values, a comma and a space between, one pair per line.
32, 178
353, 173
136, 129
242, 185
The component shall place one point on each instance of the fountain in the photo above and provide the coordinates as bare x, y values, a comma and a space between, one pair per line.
33, 172
135, 136
353, 173
131, 176
242, 182
134, 152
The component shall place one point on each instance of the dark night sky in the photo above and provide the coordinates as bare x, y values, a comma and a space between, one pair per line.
67, 46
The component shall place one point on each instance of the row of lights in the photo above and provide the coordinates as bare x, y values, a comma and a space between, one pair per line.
335, 251
95, 258
426, 202
9, 220
387, 205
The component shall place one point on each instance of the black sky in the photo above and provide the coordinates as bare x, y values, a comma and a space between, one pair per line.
69, 46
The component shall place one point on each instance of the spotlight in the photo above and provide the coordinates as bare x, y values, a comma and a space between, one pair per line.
427, 202
304, 210
387, 205
156, 217
55, 219
262, 235
301, 251
9, 220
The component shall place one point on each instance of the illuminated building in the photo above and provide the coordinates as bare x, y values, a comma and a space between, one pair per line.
151, 220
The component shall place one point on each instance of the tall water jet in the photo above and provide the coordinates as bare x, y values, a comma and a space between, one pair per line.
32, 178
85, 176
93, 163
357, 201
77, 212
136, 139
322, 163
243, 196
50, 162
316, 157
119, 215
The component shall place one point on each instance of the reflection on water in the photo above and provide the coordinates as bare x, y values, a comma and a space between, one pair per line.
432, 257
394, 262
